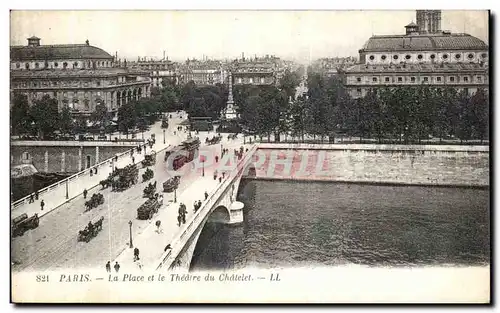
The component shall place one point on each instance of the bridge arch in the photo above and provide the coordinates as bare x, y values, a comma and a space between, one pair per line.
219, 215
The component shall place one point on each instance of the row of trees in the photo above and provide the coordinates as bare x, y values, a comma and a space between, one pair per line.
404, 113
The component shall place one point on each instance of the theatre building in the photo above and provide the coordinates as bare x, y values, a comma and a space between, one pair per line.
423, 55
79, 76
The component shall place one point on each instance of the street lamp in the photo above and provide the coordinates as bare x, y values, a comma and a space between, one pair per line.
163, 136
67, 196
175, 195
130, 224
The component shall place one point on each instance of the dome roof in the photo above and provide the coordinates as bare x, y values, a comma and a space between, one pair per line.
440, 41
57, 52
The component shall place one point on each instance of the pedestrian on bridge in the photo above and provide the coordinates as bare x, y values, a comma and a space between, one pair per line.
136, 254
133, 160
117, 267
42, 204
206, 195
220, 179
85, 193
108, 267
95, 170
216, 159
31, 199
36, 195
179, 220
215, 174
167, 247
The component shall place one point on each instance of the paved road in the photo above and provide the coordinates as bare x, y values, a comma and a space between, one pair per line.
53, 245
56, 197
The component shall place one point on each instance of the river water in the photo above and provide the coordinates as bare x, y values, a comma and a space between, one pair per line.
297, 224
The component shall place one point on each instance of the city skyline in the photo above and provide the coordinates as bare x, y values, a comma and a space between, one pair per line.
298, 35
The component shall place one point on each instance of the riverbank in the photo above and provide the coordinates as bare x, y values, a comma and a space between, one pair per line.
422, 165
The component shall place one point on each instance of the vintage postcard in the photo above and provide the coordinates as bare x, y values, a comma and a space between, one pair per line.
209, 157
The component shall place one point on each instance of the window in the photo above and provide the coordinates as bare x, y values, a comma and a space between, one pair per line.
452, 79
400, 79
457, 56
426, 79
75, 65
407, 56
470, 56
374, 79
26, 156
384, 57
445, 56
56, 64
35, 85
358, 90
433, 56
466, 79
18, 65
65, 64
387, 79
412, 79
98, 83
36, 65
466, 90
420, 57
395, 57
479, 79
484, 55
438, 78
358, 79
372, 57
27, 65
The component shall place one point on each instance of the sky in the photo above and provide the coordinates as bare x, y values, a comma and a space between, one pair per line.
297, 35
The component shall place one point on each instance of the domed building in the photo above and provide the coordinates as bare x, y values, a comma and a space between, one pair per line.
79, 76
423, 55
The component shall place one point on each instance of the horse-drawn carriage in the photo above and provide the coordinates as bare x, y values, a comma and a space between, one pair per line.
96, 200
171, 184
148, 174
214, 140
22, 223
91, 230
125, 177
164, 123
149, 191
149, 159
149, 208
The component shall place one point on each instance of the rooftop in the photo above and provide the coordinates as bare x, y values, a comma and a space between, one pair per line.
57, 52
439, 41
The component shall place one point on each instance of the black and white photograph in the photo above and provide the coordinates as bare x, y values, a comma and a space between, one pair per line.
223, 156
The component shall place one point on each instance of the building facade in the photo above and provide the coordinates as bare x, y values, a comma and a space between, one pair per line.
78, 76
203, 72
429, 57
159, 71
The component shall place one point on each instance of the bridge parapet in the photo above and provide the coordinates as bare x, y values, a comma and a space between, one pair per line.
200, 216
61, 185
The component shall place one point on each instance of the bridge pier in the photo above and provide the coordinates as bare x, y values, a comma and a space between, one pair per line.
236, 212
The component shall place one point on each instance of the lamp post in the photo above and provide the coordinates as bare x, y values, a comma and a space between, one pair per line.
67, 196
164, 136
203, 168
175, 195
130, 224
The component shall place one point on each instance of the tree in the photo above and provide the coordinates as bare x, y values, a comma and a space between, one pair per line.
127, 117
66, 124
45, 114
479, 103
20, 119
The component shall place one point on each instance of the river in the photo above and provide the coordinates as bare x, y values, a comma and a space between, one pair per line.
297, 224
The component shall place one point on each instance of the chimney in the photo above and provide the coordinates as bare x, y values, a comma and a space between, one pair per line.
33, 41
163, 54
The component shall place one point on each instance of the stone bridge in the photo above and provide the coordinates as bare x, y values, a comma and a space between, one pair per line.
220, 206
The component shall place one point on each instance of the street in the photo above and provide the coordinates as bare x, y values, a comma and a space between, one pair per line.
53, 245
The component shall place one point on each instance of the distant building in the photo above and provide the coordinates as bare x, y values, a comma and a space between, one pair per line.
424, 55
333, 66
159, 71
266, 70
203, 72
79, 76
